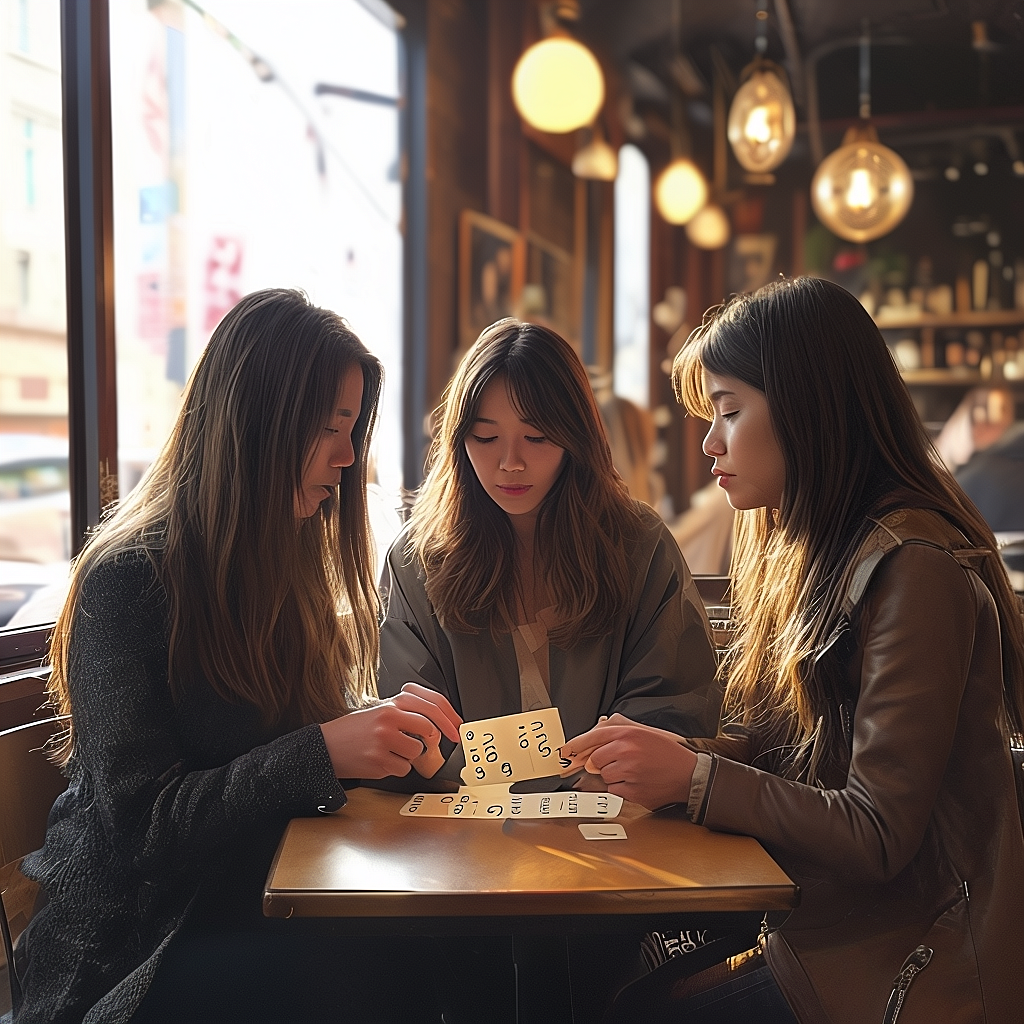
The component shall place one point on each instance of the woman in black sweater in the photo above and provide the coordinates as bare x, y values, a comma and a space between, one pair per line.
216, 656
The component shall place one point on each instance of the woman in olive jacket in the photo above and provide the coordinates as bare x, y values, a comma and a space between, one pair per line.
877, 673
216, 655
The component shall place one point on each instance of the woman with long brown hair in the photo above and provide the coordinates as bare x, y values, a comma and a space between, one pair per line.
876, 675
527, 577
216, 656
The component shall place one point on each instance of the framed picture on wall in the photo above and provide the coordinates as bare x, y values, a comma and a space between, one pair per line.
547, 293
751, 261
490, 273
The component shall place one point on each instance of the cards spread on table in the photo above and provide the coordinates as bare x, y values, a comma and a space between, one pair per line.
498, 802
500, 751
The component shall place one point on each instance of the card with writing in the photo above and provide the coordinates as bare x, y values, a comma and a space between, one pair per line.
496, 802
513, 747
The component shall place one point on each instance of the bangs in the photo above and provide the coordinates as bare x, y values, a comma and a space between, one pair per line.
688, 375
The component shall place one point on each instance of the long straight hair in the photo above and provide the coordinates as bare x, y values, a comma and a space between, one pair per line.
852, 443
467, 543
269, 610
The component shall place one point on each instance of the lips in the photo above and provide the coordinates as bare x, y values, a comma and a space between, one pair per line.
514, 490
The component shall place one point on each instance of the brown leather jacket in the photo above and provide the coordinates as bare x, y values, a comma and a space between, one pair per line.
922, 844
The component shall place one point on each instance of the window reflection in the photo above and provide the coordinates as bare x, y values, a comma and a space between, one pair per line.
34, 502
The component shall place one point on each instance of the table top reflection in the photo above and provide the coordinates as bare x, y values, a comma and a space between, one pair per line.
367, 860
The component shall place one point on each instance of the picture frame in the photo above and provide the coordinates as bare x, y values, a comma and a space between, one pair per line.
548, 292
490, 273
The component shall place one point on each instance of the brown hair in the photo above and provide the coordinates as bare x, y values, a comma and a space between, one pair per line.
270, 611
851, 439
466, 542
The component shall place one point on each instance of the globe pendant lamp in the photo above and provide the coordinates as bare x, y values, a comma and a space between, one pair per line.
680, 191
557, 85
863, 189
762, 119
709, 229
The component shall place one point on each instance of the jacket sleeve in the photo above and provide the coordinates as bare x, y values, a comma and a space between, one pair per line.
667, 669
159, 814
915, 639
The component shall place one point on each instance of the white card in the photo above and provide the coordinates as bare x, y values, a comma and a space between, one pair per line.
512, 748
604, 830
496, 802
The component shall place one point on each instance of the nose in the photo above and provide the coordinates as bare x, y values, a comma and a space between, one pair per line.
713, 445
512, 459
345, 453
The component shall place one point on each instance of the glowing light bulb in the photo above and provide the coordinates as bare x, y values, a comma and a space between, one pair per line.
762, 121
680, 191
861, 193
709, 229
757, 129
863, 189
557, 85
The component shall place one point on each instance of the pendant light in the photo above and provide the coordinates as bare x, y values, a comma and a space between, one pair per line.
709, 228
557, 84
596, 160
862, 190
680, 190
762, 120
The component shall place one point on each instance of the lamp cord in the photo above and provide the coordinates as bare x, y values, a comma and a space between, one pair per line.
865, 70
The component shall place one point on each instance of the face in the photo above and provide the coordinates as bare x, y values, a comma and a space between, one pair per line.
514, 462
749, 463
321, 472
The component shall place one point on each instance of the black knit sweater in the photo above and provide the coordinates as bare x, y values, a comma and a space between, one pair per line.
165, 801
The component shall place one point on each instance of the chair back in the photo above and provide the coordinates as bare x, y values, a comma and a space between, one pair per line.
29, 783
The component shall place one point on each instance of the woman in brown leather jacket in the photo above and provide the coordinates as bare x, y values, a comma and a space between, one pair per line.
877, 671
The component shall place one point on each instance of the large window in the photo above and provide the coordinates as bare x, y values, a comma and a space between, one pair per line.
254, 145
632, 276
34, 527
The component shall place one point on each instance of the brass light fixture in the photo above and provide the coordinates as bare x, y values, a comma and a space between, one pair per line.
557, 84
762, 120
862, 190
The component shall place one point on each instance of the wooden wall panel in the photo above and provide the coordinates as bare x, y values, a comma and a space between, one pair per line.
457, 174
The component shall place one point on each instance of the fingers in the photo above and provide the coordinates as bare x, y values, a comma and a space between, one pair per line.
430, 704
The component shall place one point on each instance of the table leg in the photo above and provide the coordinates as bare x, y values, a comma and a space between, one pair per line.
542, 979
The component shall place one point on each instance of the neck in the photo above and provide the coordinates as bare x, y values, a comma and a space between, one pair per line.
525, 527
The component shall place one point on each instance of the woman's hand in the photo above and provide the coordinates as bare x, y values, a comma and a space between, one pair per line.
374, 742
649, 766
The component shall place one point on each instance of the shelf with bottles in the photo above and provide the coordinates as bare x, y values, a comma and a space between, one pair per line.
982, 347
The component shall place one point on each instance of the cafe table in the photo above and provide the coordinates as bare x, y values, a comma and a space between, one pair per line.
376, 871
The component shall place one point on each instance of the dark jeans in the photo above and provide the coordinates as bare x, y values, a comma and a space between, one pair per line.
301, 971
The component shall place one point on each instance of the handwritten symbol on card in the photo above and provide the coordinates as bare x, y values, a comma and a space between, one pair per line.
512, 747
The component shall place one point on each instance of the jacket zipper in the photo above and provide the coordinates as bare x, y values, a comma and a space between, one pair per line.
912, 966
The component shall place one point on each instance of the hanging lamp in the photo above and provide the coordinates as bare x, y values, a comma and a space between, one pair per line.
681, 189
596, 160
557, 84
762, 119
863, 189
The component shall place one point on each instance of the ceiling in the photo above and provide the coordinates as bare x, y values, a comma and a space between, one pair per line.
934, 81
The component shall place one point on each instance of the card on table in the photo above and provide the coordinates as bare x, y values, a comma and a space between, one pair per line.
497, 802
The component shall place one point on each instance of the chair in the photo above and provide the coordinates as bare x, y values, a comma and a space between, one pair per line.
29, 783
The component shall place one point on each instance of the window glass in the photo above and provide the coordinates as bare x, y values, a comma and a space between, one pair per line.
632, 276
254, 145
34, 501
